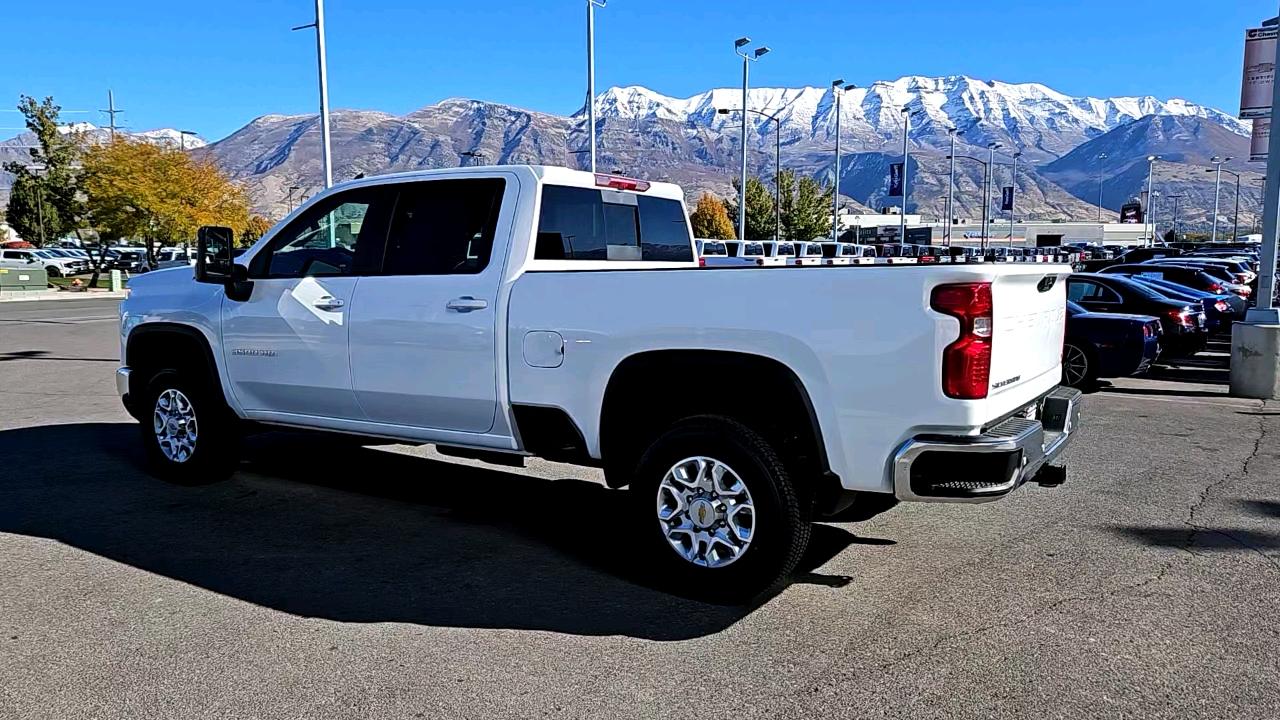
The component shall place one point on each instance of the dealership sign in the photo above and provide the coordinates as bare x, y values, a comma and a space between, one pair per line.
1259, 72
1260, 141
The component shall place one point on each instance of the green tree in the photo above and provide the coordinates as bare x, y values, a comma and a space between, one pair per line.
44, 204
806, 207
710, 220
760, 221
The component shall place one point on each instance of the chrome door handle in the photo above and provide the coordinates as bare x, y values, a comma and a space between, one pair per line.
467, 303
328, 302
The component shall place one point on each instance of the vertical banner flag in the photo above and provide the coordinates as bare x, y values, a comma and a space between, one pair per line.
1261, 140
1259, 72
1006, 199
895, 180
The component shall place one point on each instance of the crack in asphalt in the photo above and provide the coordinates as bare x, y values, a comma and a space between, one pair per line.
1204, 496
1160, 574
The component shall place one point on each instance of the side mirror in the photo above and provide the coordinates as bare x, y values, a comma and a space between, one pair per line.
213, 254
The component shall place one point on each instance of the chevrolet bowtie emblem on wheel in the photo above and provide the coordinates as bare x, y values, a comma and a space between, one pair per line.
702, 514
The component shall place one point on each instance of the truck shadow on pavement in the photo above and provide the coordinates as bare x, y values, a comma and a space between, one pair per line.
320, 528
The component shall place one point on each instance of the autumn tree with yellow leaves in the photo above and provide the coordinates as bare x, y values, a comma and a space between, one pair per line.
160, 195
710, 219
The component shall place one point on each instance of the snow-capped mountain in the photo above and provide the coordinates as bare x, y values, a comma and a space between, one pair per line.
1041, 122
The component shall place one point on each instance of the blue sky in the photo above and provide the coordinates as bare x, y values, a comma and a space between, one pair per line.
213, 66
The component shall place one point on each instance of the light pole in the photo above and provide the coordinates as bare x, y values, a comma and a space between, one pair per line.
1176, 201
1217, 191
951, 209
742, 191
1235, 223
473, 154
1101, 157
777, 167
1013, 195
1151, 172
1151, 200
182, 138
836, 93
325, 151
591, 75
906, 160
986, 200
292, 188
984, 165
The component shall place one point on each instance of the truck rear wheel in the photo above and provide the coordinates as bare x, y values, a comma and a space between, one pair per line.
719, 516
189, 433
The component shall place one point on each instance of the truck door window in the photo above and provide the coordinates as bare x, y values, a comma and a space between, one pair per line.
334, 237
593, 224
443, 227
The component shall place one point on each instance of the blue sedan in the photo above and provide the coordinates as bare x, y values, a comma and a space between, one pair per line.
1102, 345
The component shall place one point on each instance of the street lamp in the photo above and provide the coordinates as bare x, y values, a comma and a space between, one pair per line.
292, 188
591, 75
742, 194
182, 138
906, 160
777, 165
1151, 200
473, 154
1101, 157
951, 210
1013, 195
986, 201
1176, 200
1151, 171
984, 165
836, 93
326, 154
1217, 189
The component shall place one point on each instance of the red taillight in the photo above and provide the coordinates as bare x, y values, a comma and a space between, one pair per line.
1215, 289
1221, 306
966, 363
1182, 317
702, 262
1245, 290
621, 183
1146, 331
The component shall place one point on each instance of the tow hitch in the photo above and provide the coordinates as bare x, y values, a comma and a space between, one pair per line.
1051, 476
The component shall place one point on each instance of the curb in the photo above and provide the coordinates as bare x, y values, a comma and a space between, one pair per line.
64, 295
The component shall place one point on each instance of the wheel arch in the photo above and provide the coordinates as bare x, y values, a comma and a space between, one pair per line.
152, 347
647, 391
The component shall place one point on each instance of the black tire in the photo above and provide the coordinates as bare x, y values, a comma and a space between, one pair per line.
218, 438
52, 271
1075, 353
780, 514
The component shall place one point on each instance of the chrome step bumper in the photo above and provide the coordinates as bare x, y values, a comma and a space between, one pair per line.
934, 468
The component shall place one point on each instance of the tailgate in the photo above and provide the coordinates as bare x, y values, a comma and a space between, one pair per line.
1030, 315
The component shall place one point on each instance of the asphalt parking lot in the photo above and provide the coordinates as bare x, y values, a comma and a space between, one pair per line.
332, 581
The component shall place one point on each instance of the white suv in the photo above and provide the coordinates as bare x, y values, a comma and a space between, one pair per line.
53, 265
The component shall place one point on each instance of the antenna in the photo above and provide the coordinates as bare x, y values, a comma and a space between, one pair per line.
111, 111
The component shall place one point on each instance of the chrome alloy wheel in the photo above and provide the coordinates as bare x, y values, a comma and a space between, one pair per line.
174, 422
706, 512
1075, 365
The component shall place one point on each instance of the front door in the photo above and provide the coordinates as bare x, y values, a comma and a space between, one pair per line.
423, 343
285, 346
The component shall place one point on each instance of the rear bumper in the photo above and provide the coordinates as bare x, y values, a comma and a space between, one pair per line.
935, 468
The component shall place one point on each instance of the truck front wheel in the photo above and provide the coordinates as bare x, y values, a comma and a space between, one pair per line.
719, 515
190, 435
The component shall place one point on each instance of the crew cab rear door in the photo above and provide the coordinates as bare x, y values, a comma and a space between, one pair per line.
423, 330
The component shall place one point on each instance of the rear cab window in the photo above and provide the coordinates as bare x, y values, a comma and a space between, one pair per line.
602, 224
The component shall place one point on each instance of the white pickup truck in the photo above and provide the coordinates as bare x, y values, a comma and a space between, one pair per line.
506, 312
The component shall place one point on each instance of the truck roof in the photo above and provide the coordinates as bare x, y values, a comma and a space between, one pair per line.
551, 174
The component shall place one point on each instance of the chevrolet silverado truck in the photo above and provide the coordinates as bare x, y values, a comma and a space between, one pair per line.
507, 312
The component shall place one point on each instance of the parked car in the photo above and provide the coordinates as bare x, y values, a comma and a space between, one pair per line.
779, 250
550, 334
1104, 345
752, 252
1219, 310
53, 265
1130, 257
1191, 277
1184, 325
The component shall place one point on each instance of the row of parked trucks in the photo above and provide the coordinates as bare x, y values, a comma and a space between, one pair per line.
734, 253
